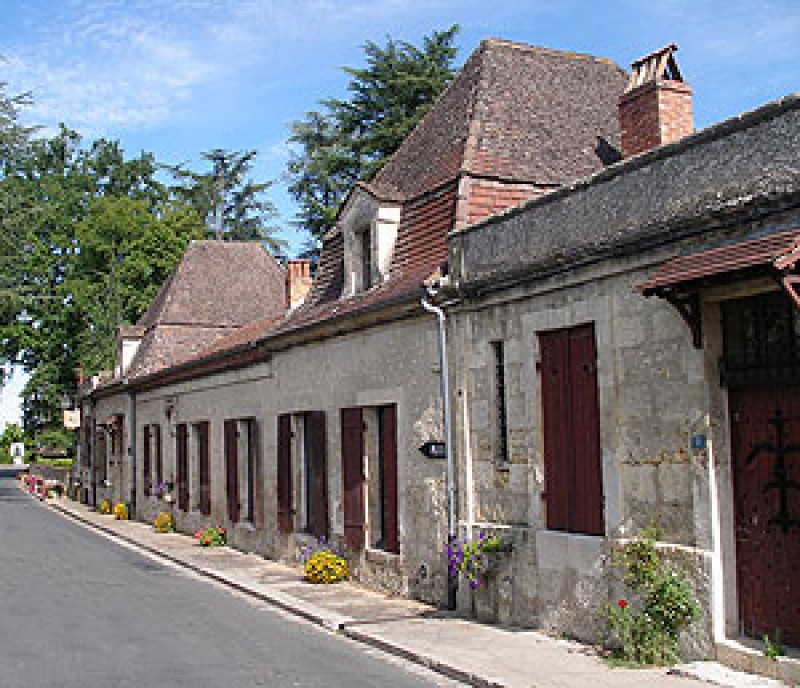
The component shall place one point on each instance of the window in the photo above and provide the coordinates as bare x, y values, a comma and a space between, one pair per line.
761, 340
182, 465
571, 429
147, 465
302, 473
151, 458
242, 470
500, 430
202, 459
369, 457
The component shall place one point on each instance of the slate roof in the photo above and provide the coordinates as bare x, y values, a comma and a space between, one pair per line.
216, 288
516, 112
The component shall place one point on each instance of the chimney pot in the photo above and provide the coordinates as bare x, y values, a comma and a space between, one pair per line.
298, 281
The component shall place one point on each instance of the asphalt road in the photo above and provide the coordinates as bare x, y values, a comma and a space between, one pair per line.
79, 610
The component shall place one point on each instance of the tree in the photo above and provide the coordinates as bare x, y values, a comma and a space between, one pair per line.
350, 139
232, 205
95, 236
12, 433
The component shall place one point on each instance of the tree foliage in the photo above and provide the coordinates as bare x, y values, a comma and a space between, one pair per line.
350, 139
232, 205
95, 234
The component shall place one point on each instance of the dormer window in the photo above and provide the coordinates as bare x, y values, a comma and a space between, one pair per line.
369, 231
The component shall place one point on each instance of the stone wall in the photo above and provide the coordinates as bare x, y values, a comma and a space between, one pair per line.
388, 364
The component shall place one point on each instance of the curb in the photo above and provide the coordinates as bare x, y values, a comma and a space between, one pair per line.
336, 623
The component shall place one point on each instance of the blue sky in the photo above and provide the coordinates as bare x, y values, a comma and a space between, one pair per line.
177, 77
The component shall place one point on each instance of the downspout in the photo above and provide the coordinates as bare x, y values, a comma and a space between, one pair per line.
452, 579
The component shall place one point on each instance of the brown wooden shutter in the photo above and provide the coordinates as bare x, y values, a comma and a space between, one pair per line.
284, 486
101, 455
254, 472
232, 469
555, 411
389, 454
205, 468
353, 477
182, 465
571, 427
585, 433
159, 458
147, 468
319, 473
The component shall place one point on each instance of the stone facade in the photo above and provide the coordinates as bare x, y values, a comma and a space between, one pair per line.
572, 265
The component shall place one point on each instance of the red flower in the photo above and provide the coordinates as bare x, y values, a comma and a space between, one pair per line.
622, 604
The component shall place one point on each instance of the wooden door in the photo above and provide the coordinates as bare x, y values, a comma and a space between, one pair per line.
571, 428
182, 465
232, 469
353, 478
765, 448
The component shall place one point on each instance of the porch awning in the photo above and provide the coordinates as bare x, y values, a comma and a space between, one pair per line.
777, 251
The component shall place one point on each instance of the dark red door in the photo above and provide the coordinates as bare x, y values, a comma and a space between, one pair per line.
353, 477
182, 461
765, 435
232, 469
571, 427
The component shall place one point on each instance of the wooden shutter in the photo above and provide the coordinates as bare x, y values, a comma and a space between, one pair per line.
158, 457
182, 465
101, 455
147, 468
571, 427
232, 469
319, 473
254, 473
585, 433
284, 486
389, 455
353, 477
204, 468
555, 411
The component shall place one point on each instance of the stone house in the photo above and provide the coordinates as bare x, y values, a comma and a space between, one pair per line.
292, 422
625, 350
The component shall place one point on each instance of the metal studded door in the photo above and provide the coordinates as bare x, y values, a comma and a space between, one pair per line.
765, 435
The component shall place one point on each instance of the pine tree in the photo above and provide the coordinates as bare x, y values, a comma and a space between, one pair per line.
350, 139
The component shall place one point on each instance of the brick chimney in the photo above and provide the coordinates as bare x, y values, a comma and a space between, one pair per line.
656, 107
298, 281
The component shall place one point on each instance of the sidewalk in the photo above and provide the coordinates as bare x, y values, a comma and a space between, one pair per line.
476, 654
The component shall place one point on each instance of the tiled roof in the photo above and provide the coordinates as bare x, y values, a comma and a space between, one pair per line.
216, 288
730, 258
516, 112
220, 284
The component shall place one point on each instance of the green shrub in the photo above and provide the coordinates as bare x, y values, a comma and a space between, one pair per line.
659, 605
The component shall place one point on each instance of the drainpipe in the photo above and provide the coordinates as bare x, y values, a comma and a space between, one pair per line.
452, 579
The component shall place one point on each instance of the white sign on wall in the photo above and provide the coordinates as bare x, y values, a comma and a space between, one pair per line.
72, 419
